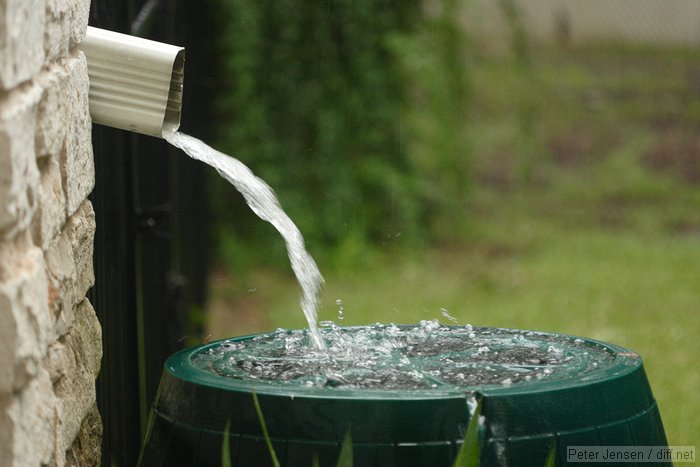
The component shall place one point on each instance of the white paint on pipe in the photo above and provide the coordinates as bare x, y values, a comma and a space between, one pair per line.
135, 84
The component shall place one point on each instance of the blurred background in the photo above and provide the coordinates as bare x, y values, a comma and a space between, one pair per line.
525, 164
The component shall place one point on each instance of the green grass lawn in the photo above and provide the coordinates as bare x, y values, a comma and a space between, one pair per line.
531, 270
588, 224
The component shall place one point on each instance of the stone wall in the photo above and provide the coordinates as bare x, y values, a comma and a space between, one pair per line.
50, 340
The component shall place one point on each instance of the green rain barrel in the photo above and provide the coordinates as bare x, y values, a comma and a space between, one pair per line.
406, 393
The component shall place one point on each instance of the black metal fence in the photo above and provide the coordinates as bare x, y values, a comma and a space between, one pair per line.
151, 242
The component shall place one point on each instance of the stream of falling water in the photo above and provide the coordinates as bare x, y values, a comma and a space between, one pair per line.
262, 200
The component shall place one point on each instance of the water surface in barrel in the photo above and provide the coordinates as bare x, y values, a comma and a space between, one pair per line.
427, 356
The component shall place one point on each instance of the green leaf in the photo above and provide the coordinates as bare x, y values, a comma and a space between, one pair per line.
263, 425
345, 458
468, 455
226, 447
551, 456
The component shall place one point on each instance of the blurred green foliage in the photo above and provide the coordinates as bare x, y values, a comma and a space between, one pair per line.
433, 60
351, 111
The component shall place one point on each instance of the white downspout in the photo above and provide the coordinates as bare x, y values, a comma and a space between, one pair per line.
135, 84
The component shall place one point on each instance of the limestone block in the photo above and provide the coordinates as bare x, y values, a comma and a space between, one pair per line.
77, 164
80, 229
19, 176
62, 277
51, 208
52, 111
80, 13
58, 28
88, 327
76, 364
21, 40
76, 396
87, 447
27, 421
80, 348
57, 361
25, 320
69, 262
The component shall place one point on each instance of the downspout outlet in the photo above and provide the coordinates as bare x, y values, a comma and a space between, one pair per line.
135, 84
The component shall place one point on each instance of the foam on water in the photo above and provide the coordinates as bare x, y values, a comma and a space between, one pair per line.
262, 200
427, 356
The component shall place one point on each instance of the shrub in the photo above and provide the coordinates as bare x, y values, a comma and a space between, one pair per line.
325, 102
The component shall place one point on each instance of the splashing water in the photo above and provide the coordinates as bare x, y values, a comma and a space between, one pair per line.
425, 357
447, 315
341, 314
262, 200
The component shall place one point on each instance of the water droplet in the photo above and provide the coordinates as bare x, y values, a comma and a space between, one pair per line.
341, 313
447, 315
471, 404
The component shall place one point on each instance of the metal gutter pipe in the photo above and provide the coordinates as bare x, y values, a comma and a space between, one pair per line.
135, 84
